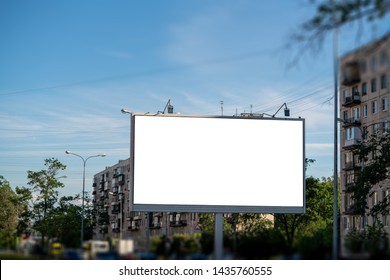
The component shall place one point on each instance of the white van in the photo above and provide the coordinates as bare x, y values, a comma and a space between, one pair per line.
91, 247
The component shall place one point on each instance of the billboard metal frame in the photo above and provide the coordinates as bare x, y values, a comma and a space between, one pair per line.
212, 208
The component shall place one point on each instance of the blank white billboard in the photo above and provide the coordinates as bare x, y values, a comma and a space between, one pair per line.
217, 164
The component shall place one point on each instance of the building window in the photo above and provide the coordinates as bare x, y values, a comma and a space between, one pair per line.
355, 90
384, 59
356, 113
375, 129
350, 177
365, 111
346, 222
364, 88
374, 198
385, 220
345, 116
374, 106
347, 159
345, 94
373, 85
386, 126
384, 195
385, 104
350, 133
383, 81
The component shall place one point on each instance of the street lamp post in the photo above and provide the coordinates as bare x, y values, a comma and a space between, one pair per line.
335, 245
82, 203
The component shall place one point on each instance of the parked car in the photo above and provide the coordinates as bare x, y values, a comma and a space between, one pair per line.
71, 254
109, 255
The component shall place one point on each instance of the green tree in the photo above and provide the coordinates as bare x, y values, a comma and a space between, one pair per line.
256, 237
373, 240
375, 153
45, 184
64, 222
9, 213
318, 216
241, 232
24, 199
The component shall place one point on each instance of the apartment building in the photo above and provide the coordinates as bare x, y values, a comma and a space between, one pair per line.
364, 109
113, 219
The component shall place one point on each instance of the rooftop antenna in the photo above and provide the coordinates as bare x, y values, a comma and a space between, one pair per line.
221, 108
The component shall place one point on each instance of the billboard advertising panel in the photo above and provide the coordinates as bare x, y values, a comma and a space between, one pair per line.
217, 164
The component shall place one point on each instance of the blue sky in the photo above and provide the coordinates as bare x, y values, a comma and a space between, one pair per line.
68, 67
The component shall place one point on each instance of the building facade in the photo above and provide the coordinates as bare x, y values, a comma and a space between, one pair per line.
364, 109
114, 220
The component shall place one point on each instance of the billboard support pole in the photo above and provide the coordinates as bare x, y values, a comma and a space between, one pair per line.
148, 232
218, 236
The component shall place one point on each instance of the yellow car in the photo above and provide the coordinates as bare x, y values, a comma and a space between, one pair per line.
56, 249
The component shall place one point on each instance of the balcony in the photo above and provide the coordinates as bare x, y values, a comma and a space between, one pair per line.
353, 143
352, 165
116, 208
132, 228
349, 187
351, 210
121, 179
353, 100
155, 225
352, 122
180, 223
115, 189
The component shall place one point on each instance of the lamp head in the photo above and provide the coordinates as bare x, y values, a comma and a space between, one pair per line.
125, 111
286, 112
67, 152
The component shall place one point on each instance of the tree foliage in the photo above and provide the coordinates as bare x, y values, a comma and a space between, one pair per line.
319, 212
24, 198
375, 153
373, 241
9, 211
64, 221
331, 15
45, 184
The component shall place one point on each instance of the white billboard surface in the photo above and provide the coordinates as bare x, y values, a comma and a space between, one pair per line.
217, 164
